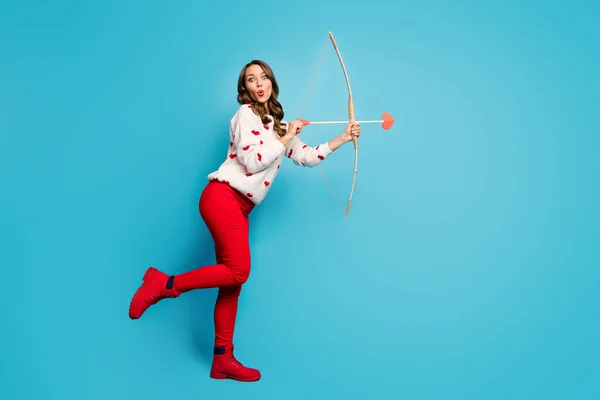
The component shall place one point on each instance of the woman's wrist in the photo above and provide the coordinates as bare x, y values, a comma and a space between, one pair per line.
337, 142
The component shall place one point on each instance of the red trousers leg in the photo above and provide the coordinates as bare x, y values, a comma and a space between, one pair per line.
225, 315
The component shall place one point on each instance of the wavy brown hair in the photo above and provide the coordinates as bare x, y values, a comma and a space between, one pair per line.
275, 108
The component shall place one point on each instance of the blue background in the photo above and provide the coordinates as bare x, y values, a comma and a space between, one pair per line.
467, 269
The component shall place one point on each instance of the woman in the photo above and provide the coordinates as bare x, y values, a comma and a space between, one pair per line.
258, 140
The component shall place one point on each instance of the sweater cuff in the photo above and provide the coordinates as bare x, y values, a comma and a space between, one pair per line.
279, 147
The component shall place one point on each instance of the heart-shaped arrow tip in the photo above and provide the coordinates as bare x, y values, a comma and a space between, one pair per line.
388, 121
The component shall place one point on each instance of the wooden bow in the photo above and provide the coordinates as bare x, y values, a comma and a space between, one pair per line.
351, 118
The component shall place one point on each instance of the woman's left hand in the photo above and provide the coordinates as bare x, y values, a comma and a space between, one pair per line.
350, 131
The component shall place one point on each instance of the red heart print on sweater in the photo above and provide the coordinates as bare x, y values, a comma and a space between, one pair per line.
256, 133
245, 148
266, 127
259, 156
290, 153
249, 194
232, 156
267, 183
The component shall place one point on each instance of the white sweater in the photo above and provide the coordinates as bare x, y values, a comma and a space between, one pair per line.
255, 155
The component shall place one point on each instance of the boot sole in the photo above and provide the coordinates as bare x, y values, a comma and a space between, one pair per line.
218, 375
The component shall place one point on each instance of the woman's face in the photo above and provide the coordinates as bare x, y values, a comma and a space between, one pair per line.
258, 84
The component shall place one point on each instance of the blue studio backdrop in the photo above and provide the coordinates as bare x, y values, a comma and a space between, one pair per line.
467, 268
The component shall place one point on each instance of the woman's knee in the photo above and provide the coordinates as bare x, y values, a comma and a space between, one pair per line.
241, 273
230, 293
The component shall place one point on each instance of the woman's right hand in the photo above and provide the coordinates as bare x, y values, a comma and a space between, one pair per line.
295, 127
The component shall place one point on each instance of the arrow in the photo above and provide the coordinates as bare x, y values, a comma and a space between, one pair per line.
386, 122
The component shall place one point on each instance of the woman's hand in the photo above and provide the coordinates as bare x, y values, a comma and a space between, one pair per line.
295, 127
352, 130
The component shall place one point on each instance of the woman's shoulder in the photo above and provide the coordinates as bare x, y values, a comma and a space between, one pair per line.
244, 110
245, 113
244, 116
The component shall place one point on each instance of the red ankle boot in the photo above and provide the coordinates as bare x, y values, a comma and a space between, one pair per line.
226, 366
151, 292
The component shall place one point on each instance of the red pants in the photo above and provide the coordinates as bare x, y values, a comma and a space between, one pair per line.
225, 212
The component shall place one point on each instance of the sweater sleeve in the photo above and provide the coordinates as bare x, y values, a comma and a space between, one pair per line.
250, 150
305, 155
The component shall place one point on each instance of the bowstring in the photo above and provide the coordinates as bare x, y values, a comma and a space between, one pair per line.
300, 113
